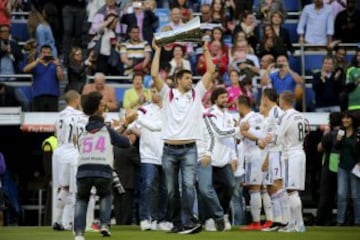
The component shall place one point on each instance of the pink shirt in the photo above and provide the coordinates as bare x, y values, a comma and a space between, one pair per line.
234, 93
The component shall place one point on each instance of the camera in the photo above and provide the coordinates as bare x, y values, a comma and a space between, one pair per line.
117, 183
48, 58
278, 65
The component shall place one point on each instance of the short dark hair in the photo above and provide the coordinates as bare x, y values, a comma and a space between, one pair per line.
271, 94
45, 46
216, 93
179, 74
244, 100
335, 119
288, 97
137, 74
91, 102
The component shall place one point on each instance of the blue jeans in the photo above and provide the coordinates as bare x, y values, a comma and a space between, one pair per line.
103, 190
347, 182
238, 203
209, 204
152, 205
184, 159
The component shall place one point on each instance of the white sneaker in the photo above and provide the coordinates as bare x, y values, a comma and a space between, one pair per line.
210, 225
154, 225
79, 238
145, 225
227, 222
165, 226
287, 228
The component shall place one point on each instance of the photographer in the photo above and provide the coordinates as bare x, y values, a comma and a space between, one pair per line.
285, 79
47, 72
10, 54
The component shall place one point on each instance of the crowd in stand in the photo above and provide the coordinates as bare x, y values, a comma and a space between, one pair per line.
115, 38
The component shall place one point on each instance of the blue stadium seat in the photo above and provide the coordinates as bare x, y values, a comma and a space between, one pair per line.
120, 91
163, 14
19, 30
27, 90
292, 5
291, 26
295, 64
313, 61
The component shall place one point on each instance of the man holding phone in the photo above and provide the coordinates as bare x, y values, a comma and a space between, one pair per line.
47, 72
285, 79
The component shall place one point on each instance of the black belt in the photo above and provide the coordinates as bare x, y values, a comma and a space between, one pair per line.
180, 146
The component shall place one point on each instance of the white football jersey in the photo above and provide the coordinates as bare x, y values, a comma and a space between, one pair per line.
255, 121
65, 126
291, 130
80, 124
271, 123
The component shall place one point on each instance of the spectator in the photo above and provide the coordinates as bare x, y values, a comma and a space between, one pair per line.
276, 21
5, 12
185, 10
76, 70
137, 95
217, 34
40, 29
336, 5
144, 18
178, 62
347, 22
243, 5
135, 53
265, 62
13, 97
205, 11
92, 7
248, 25
99, 23
108, 92
73, 16
271, 43
318, 21
236, 89
265, 9
167, 52
328, 178
353, 84
327, 85
348, 183
218, 58
108, 58
10, 54
47, 72
283, 80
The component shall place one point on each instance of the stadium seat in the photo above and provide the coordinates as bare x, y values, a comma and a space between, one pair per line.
292, 6
313, 61
120, 91
27, 90
291, 26
163, 14
19, 30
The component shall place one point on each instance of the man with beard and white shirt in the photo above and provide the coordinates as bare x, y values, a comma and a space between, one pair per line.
222, 129
65, 159
251, 132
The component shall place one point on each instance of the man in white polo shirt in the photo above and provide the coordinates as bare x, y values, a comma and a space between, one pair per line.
181, 118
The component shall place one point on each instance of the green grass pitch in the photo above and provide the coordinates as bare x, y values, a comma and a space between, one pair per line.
133, 233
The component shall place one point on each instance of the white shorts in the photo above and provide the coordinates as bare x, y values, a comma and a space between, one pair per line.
275, 166
295, 169
65, 164
253, 165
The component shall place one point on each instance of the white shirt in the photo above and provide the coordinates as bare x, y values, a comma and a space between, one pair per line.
149, 123
65, 126
271, 123
182, 113
291, 131
222, 130
255, 121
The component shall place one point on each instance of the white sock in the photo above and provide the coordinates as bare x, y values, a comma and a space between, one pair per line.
276, 208
296, 208
255, 205
69, 211
90, 214
267, 205
285, 208
59, 205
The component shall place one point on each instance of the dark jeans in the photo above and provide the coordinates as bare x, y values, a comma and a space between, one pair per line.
45, 103
224, 182
103, 190
73, 19
183, 160
124, 207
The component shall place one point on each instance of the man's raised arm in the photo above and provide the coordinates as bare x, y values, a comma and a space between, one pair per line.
158, 82
210, 67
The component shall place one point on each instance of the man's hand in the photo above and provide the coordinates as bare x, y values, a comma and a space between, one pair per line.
244, 126
265, 165
205, 161
155, 46
261, 143
234, 165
